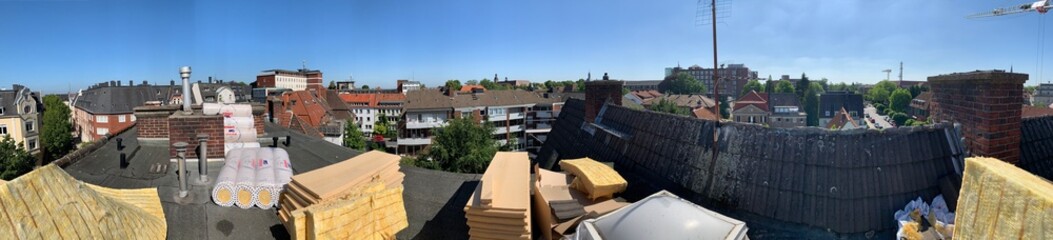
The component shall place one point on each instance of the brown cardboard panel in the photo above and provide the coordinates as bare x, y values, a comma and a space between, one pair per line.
327, 182
473, 232
499, 227
510, 172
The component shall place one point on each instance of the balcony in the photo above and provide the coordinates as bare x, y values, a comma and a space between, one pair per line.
414, 141
503, 130
424, 124
509, 116
544, 114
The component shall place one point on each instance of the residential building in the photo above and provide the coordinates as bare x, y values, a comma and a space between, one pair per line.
307, 112
345, 85
1043, 94
733, 77
107, 107
919, 106
301, 79
843, 121
509, 111
643, 97
368, 106
751, 108
221, 91
20, 116
514, 83
786, 111
262, 94
404, 86
642, 85
832, 102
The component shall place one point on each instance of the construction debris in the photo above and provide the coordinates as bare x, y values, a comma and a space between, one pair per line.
359, 198
559, 209
48, 203
500, 206
662, 216
1000, 201
252, 177
594, 178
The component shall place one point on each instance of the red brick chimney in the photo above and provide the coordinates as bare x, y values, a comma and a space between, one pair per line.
987, 104
599, 92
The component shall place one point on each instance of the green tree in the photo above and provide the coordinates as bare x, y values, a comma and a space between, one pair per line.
811, 105
625, 90
769, 86
817, 87
579, 86
752, 85
472, 82
899, 118
382, 126
666, 106
14, 160
55, 134
353, 137
684, 83
802, 86
332, 85
463, 146
365, 87
453, 85
784, 87
878, 95
838, 87
490, 85
724, 108
899, 101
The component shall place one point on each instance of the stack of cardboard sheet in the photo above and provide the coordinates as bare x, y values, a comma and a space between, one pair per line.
560, 208
500, 206
1000, 201
358, 198
47, 203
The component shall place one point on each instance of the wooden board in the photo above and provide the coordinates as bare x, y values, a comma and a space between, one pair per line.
509, 172
329, 181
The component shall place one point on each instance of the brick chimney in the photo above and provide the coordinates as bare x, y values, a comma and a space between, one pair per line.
987, 104
599, 92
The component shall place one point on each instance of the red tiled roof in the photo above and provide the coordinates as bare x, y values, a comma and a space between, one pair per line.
842, 119
760, 100
308, 107
1035, 111
469, 88
646, 94
370, 99
703, 113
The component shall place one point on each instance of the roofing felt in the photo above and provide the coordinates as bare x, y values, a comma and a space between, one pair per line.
783, 181
1036, 146
120, 100
433, 199
783, 99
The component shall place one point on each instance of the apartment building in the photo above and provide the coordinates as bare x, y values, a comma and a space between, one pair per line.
107, 107
20, 116
368, 106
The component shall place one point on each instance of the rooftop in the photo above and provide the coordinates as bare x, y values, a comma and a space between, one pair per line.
121, 100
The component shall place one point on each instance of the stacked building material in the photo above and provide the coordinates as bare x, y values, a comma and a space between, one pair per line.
47, 203
594, 178
239, 129
500, 206
559, 208
1000, 201
252, 177
354, 199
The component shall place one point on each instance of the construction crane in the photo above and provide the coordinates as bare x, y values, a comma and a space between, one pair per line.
1041, 6
887, 72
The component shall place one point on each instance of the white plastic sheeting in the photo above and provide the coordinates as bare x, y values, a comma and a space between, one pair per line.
662, 216
282, 171
246, 181
223, 191
227, 110
265, 184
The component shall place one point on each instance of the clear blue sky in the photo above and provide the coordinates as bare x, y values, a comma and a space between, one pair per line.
51, 45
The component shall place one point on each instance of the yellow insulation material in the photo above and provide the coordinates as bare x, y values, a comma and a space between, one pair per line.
594, 178
49, 204
1000, 201
372, 211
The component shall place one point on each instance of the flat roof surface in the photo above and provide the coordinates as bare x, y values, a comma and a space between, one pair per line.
433, 199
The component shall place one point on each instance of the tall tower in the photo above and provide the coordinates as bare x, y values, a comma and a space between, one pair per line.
900, 72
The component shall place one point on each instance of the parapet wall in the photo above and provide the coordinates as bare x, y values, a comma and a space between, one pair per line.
845, 181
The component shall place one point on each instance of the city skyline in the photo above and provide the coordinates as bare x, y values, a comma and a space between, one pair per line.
68, 45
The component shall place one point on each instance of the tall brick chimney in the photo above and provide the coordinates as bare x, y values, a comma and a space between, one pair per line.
599, 92
987, 104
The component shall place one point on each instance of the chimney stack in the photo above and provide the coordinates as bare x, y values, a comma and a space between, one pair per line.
599, 92
130, 83
209, 79
119, 83
113, 83
184, 73
171, 82
145, 83
987, 105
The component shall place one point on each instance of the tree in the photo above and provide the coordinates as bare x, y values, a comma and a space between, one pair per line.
332, 85
817, 87
825, 83
353, 137
752, 85
899, 100
472, 82
724, 108
382, 127
811, 106
878, 95
802, 86
453, 85
666, 106
55, 134
684, 83
784, 87
579, 86
769, 86
463, 146
838, 87
490, 85
900, 118
365, 87
14, 160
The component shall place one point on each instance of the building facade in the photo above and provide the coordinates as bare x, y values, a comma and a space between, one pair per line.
108, 107
367, 107
20, 117
733, 77
832, 102
751, 108
298, 80
1043, 94
786, 111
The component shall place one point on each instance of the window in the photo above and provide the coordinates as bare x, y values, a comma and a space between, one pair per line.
466, 114
121, 118
102, 119
3, 129
29, 126
102, 131
27, 109
31, 144
1, 110
827, 113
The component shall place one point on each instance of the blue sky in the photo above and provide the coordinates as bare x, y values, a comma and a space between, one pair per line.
54, 45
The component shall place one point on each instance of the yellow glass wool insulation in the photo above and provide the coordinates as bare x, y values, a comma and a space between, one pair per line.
1000, 201
594, 178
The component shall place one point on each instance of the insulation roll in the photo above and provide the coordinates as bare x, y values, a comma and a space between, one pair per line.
239, 122
264, 178
239, 135
227, 110
282, 170
231, 146
223, 191
245, 183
